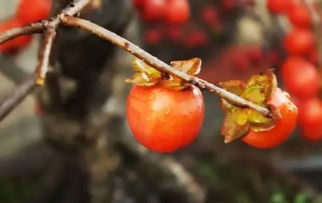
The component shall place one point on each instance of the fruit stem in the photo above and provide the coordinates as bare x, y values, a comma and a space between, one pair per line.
158, 64
45, 51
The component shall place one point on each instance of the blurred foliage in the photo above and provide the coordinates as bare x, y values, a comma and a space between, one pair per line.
19, 189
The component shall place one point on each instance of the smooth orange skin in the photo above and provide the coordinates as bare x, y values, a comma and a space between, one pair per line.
162, 119
283, 126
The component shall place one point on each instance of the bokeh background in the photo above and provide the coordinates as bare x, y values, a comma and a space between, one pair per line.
80, 149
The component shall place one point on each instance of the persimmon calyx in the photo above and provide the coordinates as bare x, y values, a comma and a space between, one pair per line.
238, 120
146, 75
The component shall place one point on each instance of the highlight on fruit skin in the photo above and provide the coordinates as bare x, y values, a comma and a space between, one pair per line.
164, 119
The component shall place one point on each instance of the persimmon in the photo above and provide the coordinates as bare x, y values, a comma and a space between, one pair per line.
164, 119
283, 127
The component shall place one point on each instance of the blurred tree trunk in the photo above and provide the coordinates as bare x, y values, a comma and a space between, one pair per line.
96, 163
75, 123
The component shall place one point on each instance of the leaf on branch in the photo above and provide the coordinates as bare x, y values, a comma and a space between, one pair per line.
146, 75
190, 66
238, 120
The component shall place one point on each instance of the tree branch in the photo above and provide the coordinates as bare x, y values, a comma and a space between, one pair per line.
75, 7
158, 64
50, 35
16, 97
24, 30
50, 27
44, 54
65, 17
38, 27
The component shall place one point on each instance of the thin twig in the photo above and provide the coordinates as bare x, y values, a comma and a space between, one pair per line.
158, 64
75, 7
16, 97
12, 71
24, 30
38, 27
44, 55
50, 35
50, 27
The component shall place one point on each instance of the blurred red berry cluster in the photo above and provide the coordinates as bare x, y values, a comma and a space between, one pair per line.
193, 25
299, 71
170, 11
28, 11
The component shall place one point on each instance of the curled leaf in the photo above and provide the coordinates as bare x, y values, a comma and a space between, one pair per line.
239, 121
231, 129
146, 75
259, 87
234, 86
190, 66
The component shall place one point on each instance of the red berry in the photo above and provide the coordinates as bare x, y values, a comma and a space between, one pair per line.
228, 5
163, 119
154, 10
312, 134
313, 57
300, 16
153, 36
283, 126
311, 113
209, 15
33, 10
299, 41
278, 6
138, 3
273, 57
178, 11
196, 39
300, 77
16, 43
240, 62
174, 33
254, 53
